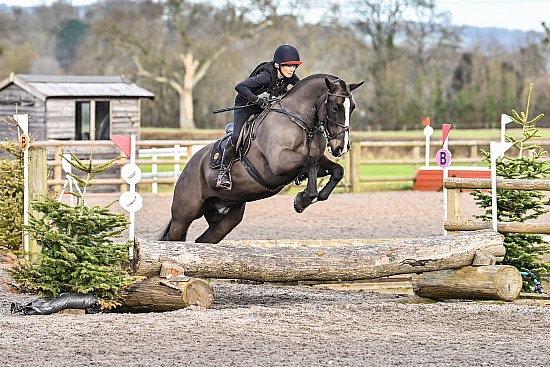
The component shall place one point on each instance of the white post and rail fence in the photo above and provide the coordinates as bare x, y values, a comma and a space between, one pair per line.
161, 161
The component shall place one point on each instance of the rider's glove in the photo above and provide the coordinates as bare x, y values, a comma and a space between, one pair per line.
262, 102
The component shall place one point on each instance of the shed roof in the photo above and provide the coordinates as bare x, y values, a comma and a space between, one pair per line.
52, 86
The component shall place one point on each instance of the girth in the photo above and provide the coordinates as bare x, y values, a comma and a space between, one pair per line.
253, 172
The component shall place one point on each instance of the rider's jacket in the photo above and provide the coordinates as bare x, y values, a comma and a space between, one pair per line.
263, 80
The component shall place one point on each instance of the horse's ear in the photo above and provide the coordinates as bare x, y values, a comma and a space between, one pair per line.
329, 84
355, 86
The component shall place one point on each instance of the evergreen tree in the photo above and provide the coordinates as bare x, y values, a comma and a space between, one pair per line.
11, 198
522, 250
78, 250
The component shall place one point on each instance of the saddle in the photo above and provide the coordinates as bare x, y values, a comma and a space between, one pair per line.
243, 143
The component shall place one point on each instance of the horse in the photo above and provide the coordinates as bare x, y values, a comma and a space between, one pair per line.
286, 143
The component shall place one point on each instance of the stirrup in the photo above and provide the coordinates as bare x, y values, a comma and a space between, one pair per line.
225, 185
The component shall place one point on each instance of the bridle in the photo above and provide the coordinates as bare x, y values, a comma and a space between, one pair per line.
328, 120
313, 129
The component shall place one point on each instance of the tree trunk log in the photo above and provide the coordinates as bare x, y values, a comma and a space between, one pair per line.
281, 264
498, 282
158, 294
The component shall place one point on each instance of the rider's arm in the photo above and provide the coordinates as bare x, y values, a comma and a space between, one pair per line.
249, 87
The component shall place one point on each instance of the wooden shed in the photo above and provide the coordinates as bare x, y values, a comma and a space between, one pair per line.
72, 107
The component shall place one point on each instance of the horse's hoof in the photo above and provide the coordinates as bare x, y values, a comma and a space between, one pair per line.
298, 207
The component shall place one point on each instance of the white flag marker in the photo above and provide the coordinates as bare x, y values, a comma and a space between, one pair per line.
504, 119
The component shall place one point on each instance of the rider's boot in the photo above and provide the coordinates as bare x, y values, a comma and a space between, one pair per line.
224, 177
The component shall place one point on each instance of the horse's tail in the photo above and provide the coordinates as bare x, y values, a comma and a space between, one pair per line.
166, 232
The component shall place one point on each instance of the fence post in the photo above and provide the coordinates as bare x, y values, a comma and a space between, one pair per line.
38, 188
154, 170
453, 206
355, 167
177, 158
57, 170
347, 173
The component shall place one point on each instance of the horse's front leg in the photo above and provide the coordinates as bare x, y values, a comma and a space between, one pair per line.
336, 171
305, 198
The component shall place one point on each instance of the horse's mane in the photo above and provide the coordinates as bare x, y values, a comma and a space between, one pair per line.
311, 78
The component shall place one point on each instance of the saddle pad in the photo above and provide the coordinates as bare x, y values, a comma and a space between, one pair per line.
216, 153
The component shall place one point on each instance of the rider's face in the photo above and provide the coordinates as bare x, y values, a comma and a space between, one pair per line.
288, 70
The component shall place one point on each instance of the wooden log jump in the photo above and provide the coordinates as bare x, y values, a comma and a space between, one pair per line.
174, 269
292, 263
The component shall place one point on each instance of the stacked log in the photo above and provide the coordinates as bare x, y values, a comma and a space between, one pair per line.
491, 282
167, 291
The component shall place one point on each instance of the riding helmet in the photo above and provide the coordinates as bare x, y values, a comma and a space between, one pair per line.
286, 55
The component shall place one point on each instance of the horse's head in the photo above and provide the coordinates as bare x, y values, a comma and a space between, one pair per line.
339, 105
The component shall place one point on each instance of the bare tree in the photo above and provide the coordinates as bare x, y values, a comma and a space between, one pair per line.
194, 71
380, 21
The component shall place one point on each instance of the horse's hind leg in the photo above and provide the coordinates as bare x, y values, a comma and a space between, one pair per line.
219, 225
183, 214
177, 231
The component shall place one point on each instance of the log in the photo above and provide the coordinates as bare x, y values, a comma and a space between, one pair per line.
299, 263
494, 282
157, 294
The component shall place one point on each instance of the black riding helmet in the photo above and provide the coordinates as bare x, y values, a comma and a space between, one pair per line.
286, 55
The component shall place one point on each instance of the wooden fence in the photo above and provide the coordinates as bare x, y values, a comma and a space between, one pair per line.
362, 155
413, 152
455, 223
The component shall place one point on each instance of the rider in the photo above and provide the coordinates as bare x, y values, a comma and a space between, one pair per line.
272, 77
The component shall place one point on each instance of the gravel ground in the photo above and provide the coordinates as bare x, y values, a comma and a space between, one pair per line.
271, 325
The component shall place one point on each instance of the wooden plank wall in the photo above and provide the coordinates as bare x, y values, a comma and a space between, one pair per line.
60, 119
125, 116
26, 104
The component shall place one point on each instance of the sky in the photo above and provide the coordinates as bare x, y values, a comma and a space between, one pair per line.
525, 15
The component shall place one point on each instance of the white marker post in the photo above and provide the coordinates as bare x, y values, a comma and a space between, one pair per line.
443, 159
497, 151
131, 201
428, 132
504, 119
23, 123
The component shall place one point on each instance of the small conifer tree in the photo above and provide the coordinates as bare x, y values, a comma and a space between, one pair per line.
522, 250
79, 253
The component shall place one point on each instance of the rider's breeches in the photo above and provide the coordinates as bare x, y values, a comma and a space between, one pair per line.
240, 116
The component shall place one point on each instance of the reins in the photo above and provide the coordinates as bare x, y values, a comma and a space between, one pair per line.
312, 129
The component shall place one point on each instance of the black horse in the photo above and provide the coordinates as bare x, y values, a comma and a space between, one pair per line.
287, 142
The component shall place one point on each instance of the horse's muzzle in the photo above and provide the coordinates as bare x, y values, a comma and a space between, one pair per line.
338, 150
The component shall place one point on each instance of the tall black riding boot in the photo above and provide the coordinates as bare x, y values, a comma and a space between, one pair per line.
224, 177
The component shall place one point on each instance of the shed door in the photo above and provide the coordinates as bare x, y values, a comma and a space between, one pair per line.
97, 111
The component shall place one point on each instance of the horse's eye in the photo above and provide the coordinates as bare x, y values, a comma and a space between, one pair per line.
334, 109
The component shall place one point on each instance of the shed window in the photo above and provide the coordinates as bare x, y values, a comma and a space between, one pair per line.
97, 111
